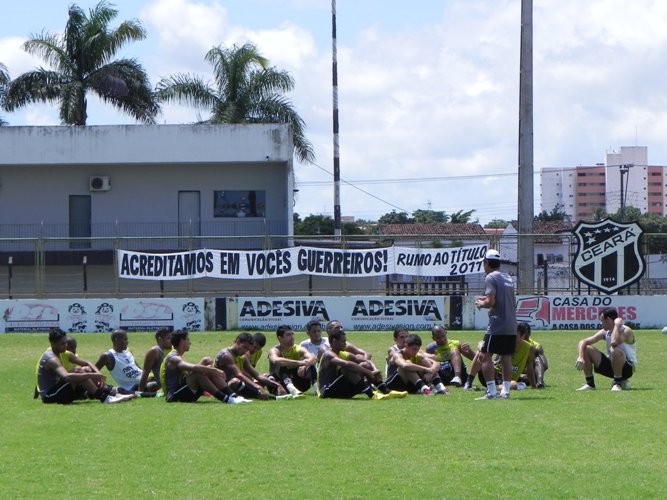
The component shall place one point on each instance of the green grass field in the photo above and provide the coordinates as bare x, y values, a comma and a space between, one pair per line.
553, 443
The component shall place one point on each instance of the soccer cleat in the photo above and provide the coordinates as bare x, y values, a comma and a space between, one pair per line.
616, 388
284, 397
425, 391
456, 382
237, 400
488, 395
390, 395
626, 385
504, 395
586, 387
119, 398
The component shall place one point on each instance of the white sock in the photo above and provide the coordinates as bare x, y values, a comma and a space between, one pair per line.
491, 387
507, 385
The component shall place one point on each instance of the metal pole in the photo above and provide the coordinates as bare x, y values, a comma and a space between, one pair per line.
525, 268
85, 273
336, 152
10, 273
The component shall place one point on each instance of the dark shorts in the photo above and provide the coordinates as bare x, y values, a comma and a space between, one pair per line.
396, 383
605, 369
446, 372
499, 344
184, 395
63, 393
341, 388
302, 384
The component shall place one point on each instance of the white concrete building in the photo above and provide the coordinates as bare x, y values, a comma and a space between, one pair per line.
146, 181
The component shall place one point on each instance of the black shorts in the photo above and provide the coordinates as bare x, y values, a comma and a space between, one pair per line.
396, 383
446, 372
499, 344
605, 369
184, 395
302, 384
63, 393
341, 388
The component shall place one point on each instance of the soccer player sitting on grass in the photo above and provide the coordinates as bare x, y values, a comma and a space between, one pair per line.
448, 353
344, 375
540, 364
57, 385
335, 325
232, 361
315, 344
184, 382
621, 359
257, 349
415, 370
249, 367
153, 359
124, 370
292, 365
400, 334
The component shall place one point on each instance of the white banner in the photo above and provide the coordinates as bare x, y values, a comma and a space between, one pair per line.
101, 315
293, 261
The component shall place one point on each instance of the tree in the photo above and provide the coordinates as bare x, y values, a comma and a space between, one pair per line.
557, 214
497, 224
322, 225
246, 90
461, 217
599, 214
4, 81
82, 62
430, 217
395, 217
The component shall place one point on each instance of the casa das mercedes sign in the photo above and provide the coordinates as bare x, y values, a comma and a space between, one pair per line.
608, 257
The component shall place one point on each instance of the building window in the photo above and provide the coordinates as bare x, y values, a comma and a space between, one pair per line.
239, 203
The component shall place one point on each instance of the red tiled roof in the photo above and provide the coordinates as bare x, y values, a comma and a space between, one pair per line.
544, 228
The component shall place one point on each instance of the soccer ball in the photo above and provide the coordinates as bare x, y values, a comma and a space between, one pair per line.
664, 330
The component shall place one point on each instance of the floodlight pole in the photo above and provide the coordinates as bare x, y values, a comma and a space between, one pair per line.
525, 243
336, 153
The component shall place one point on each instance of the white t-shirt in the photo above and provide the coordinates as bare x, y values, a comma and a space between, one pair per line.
313, 348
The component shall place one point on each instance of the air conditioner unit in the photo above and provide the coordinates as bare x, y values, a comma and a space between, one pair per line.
100, 183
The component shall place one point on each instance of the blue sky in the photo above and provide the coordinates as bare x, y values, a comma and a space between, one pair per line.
428, 89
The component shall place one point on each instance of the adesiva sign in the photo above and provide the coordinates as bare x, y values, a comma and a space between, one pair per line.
355, 313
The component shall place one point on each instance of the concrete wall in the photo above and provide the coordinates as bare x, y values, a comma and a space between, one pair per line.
40, 167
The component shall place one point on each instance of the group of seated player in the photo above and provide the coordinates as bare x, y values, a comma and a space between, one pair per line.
329, 366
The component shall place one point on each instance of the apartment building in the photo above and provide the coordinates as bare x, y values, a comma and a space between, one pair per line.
624, 179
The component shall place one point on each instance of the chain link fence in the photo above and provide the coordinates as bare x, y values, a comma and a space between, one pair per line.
56, 266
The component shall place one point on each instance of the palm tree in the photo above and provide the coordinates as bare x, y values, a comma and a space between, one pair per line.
4, 81
82, 62
246, 90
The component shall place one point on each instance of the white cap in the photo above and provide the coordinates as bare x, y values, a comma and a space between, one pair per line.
492, 255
